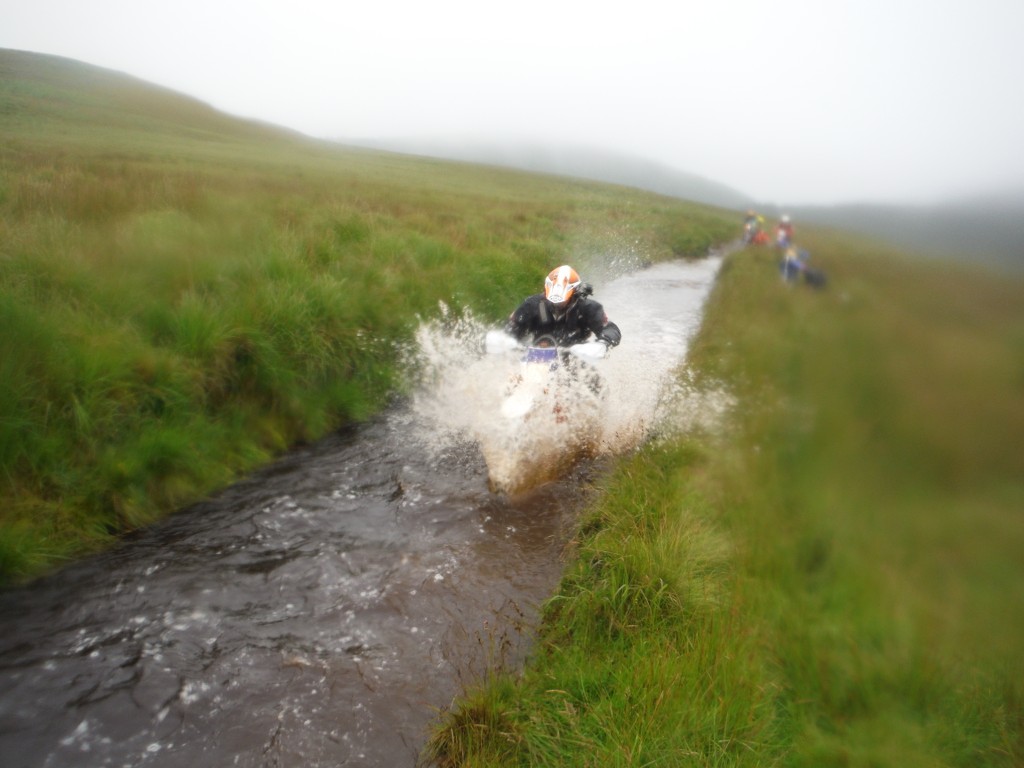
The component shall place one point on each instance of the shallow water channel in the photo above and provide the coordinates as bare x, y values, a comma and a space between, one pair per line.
321, 612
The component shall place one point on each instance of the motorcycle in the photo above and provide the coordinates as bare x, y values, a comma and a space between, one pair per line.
549, 410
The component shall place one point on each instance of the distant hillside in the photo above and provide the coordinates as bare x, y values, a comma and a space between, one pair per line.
984, 229
592, 164
45, 90
987, 229
35, 86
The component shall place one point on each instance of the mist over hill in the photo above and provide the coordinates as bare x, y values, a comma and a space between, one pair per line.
986, 229
577, 162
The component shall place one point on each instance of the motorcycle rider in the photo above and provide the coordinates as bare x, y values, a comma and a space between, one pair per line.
564, 312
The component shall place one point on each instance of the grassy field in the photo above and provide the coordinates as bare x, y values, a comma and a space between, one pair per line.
184, 294
829, 573
832, 575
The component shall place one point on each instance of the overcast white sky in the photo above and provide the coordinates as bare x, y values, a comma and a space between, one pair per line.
792, 101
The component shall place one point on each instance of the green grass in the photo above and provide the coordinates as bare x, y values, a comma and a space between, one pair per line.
184, 295
834, 576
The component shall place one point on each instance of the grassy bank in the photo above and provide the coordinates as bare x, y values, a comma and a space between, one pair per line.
834, 576
184, 294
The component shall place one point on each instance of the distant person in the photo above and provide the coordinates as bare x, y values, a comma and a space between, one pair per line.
784, 233
794, 266
791, 265
565, 312
751, 226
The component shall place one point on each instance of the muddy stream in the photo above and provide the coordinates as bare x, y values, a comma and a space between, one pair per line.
324, 610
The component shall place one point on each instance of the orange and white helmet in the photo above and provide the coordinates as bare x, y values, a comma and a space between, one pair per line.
561, 284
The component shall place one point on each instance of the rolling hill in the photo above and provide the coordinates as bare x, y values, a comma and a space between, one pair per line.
40, 89
986, 229
577, 162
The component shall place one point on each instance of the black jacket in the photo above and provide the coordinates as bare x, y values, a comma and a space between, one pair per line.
536, 316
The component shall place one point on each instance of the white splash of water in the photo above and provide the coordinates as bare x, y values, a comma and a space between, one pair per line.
461, 388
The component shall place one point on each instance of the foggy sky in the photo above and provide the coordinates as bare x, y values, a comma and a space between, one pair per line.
793, 101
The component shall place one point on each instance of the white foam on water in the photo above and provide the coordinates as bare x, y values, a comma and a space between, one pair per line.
461, 388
